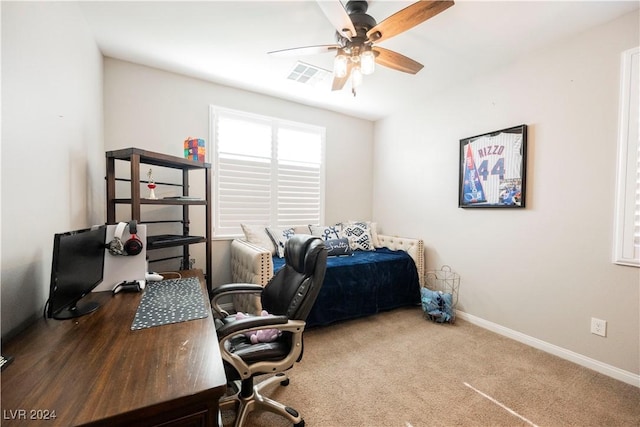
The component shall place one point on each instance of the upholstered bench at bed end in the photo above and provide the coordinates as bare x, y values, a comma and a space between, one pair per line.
414, 247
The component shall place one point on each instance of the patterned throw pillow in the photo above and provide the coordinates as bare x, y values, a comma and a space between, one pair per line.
279, 236
359, 235
327, 232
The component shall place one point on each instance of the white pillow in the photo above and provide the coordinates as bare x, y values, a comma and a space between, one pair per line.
359, 235
279, 237
257, 234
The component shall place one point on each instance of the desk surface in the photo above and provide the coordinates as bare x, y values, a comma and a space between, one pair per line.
95, 368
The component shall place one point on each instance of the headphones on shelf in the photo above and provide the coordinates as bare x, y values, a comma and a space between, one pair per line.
133, 246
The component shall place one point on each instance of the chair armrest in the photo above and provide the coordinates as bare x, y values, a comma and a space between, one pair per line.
231, 289
296, 327
234, 288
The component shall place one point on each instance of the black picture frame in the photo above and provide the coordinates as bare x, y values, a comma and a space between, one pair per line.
493, 169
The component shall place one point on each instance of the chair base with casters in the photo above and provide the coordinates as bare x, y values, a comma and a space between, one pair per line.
256, 400
288, 299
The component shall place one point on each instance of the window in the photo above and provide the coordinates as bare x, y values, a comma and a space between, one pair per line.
627, 227
266, 172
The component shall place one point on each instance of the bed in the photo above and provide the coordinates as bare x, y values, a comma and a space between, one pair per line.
357, 285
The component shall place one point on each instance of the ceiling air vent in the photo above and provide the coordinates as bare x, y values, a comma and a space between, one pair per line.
309, 74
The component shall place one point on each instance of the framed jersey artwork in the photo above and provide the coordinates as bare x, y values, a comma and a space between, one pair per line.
493, 169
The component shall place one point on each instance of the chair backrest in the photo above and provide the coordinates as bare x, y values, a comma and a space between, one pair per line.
294, 288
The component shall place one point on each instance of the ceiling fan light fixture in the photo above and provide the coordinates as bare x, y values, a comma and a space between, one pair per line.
340, 65
367, 62
356, 77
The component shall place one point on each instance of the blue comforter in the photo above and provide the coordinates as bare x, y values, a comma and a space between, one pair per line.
363, 284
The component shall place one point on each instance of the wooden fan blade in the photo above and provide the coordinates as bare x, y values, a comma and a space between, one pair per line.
338, 82
407, 18
396, 61
306, 50
338, 16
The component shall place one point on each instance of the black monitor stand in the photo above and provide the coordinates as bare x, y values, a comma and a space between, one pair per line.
75, 311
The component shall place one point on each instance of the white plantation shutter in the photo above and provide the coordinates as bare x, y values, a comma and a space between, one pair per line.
267, 172
299, 154
627, 229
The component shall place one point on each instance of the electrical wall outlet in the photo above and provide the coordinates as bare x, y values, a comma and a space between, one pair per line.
599, 327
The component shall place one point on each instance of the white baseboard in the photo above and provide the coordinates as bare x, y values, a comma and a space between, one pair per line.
603, 368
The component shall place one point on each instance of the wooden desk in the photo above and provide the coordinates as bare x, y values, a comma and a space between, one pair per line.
95, 370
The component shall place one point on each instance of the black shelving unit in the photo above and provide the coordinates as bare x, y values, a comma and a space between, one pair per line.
137, 157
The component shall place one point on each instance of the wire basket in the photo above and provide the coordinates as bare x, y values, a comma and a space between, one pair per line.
439, 295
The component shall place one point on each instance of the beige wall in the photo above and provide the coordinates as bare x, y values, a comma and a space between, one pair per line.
52, 152
546, 270
157, 110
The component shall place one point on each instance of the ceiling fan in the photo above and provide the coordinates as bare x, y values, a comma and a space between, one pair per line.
357, 36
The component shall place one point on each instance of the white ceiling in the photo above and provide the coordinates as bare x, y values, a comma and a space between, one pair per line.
227, 42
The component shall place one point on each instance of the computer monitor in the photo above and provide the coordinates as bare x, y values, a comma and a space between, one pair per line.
77, 268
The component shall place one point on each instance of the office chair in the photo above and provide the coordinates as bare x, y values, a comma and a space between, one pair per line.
288, 298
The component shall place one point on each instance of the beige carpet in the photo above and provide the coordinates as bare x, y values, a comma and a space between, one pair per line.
398, 369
